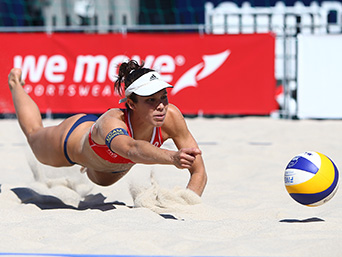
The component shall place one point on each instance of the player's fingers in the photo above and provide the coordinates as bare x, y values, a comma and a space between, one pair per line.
192, 151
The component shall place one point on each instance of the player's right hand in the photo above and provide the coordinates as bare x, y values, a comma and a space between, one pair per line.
185, 157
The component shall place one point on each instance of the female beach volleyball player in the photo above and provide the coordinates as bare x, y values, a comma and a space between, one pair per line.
107, 147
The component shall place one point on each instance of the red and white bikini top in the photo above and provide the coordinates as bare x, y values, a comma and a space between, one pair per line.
107, 154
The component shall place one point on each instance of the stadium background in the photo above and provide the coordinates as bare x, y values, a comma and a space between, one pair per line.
175, 17
30, 12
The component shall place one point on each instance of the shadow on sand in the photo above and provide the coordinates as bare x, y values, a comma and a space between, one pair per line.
90, 202
48, 202
309, 220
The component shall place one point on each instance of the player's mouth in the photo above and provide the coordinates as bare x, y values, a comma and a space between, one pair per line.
159, 117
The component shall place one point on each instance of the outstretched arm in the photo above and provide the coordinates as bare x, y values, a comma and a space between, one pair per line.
177, 129
187, 157
198, 179
139, 151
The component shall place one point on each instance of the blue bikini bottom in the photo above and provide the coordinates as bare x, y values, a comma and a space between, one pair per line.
85, 118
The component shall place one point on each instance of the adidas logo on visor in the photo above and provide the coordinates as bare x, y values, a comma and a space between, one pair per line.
153, 77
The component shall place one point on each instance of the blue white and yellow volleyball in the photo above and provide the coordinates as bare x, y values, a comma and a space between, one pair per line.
311, 178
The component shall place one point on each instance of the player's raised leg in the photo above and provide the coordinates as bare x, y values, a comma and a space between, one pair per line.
27, 111
44, 142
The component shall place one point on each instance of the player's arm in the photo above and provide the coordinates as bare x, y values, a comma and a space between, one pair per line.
177, 129
111, 130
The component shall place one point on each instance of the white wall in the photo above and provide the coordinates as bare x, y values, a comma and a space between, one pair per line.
319, 88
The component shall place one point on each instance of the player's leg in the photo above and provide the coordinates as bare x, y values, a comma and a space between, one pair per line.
26, 109
103, 178
46, 143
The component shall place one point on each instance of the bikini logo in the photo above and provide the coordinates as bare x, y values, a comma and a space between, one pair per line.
153, 77
111, 154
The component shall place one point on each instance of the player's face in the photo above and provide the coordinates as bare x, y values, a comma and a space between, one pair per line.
153, 108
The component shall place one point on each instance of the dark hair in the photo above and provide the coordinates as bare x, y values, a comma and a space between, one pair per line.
128, 73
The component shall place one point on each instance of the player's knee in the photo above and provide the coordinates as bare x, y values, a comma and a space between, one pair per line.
37, 145
104, 178
99, 180
32, 138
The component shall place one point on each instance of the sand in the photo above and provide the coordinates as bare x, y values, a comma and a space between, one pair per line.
244, 211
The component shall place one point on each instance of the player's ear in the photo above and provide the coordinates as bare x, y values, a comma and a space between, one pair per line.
130, 104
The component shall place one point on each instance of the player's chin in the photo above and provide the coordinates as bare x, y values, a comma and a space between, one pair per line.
158, 123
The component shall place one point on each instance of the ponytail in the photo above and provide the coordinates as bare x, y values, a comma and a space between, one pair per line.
128, 73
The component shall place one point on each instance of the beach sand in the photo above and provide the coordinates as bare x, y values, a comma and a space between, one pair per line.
245, 209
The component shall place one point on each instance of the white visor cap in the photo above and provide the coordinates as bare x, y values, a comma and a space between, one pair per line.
148, 84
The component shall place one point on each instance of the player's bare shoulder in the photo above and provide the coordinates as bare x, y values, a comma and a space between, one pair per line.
174, 122
173, 115
110, 118
113, 118
114, 113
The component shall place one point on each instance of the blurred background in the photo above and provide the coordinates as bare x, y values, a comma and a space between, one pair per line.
134, 12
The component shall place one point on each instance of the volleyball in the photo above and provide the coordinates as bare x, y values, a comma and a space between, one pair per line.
311, 178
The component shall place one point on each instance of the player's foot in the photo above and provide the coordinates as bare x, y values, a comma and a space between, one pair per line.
14, 78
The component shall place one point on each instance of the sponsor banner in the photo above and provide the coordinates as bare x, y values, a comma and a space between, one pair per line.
319, 87
211, 74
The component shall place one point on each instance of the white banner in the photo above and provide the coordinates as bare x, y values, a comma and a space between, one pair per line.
319, 92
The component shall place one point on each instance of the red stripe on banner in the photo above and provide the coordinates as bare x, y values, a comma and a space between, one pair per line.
211, 74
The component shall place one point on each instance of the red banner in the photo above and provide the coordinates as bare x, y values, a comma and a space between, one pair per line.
212, 74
